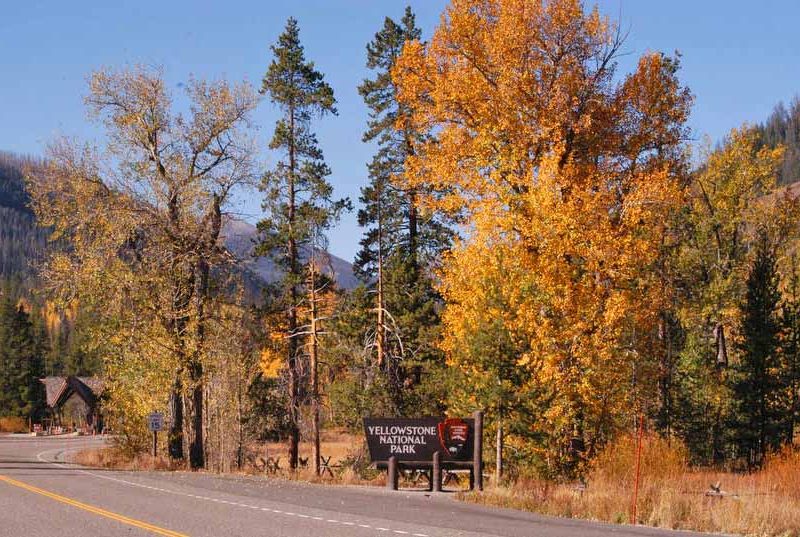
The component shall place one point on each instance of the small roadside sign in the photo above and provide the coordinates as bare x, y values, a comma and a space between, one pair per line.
155, 421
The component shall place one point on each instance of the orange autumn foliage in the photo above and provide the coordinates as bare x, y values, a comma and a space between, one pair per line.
566, 177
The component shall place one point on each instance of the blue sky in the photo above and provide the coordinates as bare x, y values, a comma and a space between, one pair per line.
739, 59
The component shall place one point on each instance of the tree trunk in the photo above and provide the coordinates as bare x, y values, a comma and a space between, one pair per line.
721, 346
498, 469
207, 243
176, 427
314, 365
175, 323
294, 274
413, 236
665, 374
412, 211
240, 431
197, 446
380, 333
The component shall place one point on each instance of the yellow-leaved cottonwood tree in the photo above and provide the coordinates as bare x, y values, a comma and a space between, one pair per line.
143, 222
566, 176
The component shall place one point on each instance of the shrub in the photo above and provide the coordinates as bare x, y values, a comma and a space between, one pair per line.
13, 424
661, 459
671, 494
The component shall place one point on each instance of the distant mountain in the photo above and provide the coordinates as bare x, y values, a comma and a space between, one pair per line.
23, 244
782, 127
239, 238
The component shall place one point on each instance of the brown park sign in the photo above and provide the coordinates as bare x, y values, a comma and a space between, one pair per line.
417, 439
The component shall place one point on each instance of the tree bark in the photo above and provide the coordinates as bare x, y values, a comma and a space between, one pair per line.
197, 447
314, 366
665, 374
498, 470
176, 427
206, 244
413, 235
240, 431
294, 274
380, 333
176, 323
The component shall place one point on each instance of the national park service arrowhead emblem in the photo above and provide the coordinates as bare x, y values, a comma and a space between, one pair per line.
453, 435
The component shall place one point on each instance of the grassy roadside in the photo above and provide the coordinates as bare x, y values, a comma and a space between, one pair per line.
113, 458
348, 463
671, 495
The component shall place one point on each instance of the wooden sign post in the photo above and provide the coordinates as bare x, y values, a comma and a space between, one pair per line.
477, 454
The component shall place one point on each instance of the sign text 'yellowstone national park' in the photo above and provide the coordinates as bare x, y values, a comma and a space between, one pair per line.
417, 439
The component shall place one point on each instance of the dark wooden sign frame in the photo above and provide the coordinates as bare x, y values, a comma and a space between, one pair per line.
429, 444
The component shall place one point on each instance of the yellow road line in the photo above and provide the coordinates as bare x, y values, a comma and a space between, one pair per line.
92, 509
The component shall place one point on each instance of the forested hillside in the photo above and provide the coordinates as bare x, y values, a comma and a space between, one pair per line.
22, 244
782, 128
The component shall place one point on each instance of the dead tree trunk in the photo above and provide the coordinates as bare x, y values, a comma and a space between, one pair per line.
314, 358
380, 333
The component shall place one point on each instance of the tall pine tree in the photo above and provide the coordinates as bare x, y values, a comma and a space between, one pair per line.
398, 246
758, 385
790, 347
298, 202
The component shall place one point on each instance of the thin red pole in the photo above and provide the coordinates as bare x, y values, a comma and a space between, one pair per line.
638, 468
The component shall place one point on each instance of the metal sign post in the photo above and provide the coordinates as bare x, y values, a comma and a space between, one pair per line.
155, 423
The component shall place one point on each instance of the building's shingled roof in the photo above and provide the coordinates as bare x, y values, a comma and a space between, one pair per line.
96, 384
89, 388
53, 387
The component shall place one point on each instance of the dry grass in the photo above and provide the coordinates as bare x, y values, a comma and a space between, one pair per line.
336, 444
13, 425
765, 503
113, 457
340, 446
343, 448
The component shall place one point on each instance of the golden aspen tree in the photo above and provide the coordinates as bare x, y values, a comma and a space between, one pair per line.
143, 221
572, 171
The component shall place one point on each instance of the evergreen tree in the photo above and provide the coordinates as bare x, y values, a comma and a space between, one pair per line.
757, 385
398, 247
389, 214
790, 347
20, 362
80, 350
298, 198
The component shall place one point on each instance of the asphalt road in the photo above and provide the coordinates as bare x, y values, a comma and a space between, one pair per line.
41, 496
